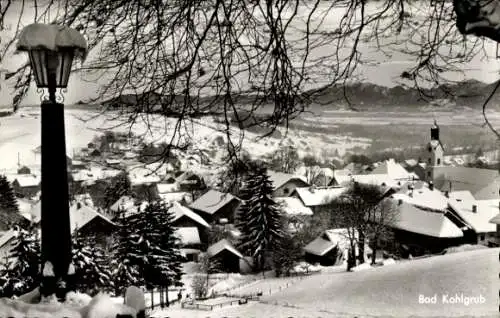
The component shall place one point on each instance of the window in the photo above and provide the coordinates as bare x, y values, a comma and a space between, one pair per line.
430, 148
439, 161
286, 190
429, 174
429, 160
481, 237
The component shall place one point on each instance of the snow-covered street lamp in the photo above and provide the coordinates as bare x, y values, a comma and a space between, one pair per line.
51, 50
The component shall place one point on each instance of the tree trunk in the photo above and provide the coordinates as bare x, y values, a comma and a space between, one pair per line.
361, 247
374, 250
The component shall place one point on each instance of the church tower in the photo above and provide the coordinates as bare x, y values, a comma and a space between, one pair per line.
435, 153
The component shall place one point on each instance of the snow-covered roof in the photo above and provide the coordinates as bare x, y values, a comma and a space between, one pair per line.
137, 179
223, 244
175, 196
188, 235
464, 195
435, 224
280, 178
328, 240
28, 180
212, 201
374, 179
179, 211
392, 169
479, 220
167, 187
25, 205
82, 216
293, 206
319, 196
423, 197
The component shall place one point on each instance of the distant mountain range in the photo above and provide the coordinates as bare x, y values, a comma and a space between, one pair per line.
469, 93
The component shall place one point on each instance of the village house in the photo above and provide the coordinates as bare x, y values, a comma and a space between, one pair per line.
26, 186
184, 217
226, 255
189, 181
284, 183
128, 206
215, 206
295, 212
475, 215
331, 248
315, 198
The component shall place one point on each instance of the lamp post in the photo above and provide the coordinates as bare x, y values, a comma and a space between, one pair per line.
51, 51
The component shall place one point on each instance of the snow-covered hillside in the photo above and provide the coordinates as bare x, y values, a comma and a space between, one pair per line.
20, 135
391, 291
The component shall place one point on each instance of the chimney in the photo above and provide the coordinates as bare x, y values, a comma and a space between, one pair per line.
78, 205
400, 201
447, 194
431, 185
474, 208
410, 194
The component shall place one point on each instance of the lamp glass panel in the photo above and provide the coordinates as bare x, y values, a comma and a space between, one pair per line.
38, 60
44, 62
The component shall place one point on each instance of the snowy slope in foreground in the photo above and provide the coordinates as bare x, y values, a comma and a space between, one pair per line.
391, 291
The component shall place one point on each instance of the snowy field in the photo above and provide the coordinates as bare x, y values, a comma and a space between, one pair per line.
391, 291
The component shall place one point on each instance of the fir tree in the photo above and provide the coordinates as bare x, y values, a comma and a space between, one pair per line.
120, 186
21, 273
9, 208
124, 271
92, 272
259, 218
155, 246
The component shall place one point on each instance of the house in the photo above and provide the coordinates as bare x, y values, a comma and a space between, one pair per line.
167, 188
315, 198
185, 217
295, 211
127, 205
84, 199
284, 183
419, 230
26, 185
88, 222
215, 206
340, 177
330, 248
171, 197
190, 242
393, 170
188, 181
227, 256
476, 216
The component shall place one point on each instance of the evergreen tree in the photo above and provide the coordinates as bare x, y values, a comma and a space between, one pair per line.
119, 186
147, 250
9, 208
21, 272
259, 218
156, 248
92, 272
124, 271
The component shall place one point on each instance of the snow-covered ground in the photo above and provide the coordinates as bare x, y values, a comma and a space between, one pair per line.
392, 291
